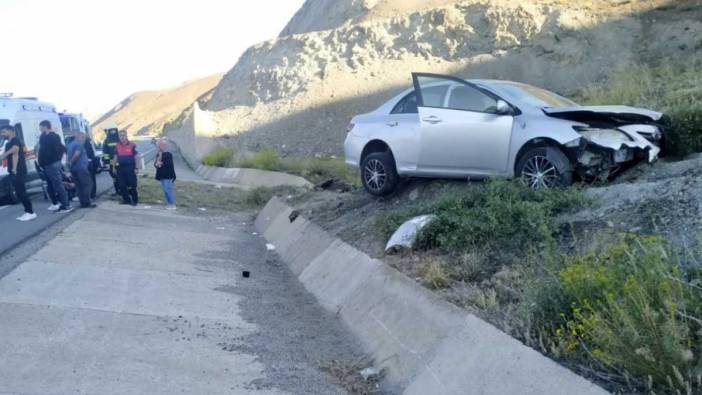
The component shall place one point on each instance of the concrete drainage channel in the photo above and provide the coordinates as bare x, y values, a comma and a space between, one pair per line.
426, 345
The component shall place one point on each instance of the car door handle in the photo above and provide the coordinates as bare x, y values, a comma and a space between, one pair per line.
432, 120
393, 124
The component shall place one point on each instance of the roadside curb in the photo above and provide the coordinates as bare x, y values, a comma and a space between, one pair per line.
426, 345
250, 178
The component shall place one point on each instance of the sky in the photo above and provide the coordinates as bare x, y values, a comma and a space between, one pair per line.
88, 55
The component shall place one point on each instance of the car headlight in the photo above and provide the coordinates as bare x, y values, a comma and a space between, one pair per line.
601, 134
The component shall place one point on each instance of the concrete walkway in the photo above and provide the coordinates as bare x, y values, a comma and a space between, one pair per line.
145, 301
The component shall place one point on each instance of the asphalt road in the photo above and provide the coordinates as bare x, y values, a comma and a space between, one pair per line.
15, 232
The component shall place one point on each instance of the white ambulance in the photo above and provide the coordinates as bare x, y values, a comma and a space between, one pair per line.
25, 114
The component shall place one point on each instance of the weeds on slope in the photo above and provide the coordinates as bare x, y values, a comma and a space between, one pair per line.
197, 195
630, 311
499, 215
316, 170
675, 90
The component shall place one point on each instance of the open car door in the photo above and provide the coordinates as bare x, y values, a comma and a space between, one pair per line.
462, 130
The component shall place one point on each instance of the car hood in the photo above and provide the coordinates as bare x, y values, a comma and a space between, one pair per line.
614, 115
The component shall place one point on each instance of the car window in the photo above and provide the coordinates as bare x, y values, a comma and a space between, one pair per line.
408, 105
434, 96
467, 98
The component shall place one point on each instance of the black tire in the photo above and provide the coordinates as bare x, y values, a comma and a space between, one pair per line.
545, 167
9, 195
379, 174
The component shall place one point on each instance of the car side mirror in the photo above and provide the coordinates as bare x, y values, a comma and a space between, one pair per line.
503, 108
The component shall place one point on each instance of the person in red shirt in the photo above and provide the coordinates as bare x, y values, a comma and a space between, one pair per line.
127, 160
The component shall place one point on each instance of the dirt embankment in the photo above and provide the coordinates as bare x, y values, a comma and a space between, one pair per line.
148, 111
297, 93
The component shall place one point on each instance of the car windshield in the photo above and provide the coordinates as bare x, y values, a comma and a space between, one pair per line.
532, 96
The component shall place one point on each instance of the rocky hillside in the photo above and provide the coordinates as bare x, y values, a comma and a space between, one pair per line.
337, 59
148, 111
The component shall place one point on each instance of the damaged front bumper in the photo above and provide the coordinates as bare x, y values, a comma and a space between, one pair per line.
601, 150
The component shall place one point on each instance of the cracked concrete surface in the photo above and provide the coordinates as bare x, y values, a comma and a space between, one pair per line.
147, 301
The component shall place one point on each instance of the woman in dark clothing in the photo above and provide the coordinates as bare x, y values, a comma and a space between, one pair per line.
165, 173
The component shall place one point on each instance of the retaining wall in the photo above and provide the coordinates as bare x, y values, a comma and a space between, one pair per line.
426, 345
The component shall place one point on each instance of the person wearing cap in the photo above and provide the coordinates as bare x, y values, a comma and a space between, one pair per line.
17, 169
108, 154
127, 160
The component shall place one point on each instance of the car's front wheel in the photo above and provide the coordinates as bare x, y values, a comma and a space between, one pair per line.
545, 167
378, 173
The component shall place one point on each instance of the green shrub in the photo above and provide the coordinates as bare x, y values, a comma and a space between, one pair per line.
221, 157
258, 197
500, 215
314, 169
267, 159
673, 90
684, 135
321, 169
631, 309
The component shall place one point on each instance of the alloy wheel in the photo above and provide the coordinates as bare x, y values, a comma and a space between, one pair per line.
539, 172
375, 174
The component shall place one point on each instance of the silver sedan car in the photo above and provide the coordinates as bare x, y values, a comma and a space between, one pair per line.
447, 127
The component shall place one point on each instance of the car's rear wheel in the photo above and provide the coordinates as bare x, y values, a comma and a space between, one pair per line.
378, 173
545, 167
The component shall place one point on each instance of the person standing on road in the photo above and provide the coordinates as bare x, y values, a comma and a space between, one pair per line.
92, 166
17, 168
127, 168
78, 164
51, 152
109, 147
165, 173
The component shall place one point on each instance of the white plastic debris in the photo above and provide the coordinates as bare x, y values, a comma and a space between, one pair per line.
202, 209
147, 207
369, 373
406, 235
255, 233
270, 247
221, 228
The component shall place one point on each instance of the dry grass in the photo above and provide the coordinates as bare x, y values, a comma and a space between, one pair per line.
316, 170
197, 195
435, 275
